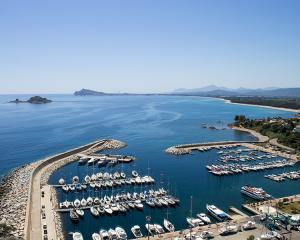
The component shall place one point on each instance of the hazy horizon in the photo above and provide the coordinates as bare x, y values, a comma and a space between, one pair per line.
148, 46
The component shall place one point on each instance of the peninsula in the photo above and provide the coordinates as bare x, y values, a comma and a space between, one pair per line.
33, 100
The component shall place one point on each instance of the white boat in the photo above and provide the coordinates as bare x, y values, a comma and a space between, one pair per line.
135, 174
112, 234
138, 204
204, 218
136, 231
96, 236
217, 213
80, 212
121, 233
83, 202
94, 211
104, 234
114, 207
77, 203
151, 229
77, 236
159, 229
194, 222
169, 226
230, 229
75, 179
108, 210
87, 178
89, 201
255, 193
249, 225
61, 181
74, 216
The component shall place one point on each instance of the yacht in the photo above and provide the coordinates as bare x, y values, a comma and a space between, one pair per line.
135, 174
136, 231
194, 222
255, 193
104, 234
121, 233
94, 211
74, 216
230, 229
108, 210
83, 202
204, 218
112, 234
80, 212
159, 229
77, 203
77, 236
151, 229
169, 226
96, 236
217, 213
249, 225
61, 181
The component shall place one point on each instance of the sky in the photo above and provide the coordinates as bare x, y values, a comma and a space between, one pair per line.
147, 45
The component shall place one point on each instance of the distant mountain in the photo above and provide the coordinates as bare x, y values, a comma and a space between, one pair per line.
223, 91
33, 100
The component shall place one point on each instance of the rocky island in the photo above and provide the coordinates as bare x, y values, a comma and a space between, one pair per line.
33, 100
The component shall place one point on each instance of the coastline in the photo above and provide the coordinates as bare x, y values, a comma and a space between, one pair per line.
263, 106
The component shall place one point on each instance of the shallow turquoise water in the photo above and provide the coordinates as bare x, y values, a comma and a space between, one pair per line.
148, 124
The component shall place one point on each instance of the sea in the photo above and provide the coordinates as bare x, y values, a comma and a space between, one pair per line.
148, 125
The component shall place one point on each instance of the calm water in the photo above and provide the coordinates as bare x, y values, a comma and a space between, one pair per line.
148, 124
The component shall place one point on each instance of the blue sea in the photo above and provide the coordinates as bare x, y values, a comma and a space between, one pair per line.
148, 124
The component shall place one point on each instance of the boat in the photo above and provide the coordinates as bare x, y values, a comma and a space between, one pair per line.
83, 202
108, 210
204, 218
96, 236
61, 181
136, 231
75, 179
74, 216
217, 213
159, 229
255, 193
150, 203
80, 212
77, 203
138, 205
134, 173
77, 236
151, 229
249, 225
206, 235
121, 233
103, 234
230, 229
194, 222
169, 226
112, 234
94, 211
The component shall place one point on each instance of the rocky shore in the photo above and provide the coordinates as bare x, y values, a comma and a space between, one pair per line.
14, 190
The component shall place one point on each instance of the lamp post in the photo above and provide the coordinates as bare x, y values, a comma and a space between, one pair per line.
148, 219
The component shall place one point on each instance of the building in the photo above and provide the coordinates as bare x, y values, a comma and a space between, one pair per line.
297, 129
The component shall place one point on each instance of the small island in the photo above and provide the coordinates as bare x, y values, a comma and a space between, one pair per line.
33, 100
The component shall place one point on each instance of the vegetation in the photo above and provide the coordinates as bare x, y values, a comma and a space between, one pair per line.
282, 129
291, 208
6, 232
293, 103
251, 237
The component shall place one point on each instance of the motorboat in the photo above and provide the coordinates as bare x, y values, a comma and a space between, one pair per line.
77, 236
204, 218
159, 229
108, 210
151, 229
83, 202
249, 225
80, 212
121, 233
194, 222
87, 178
169, 226
112, 234
134, 173
227, 230
138, 205
94, 211
61, 181
65, 188
150, 203
96, 236
103, 234
75, 179
74, 216
217, 213
89, 201
136, 231
77, 203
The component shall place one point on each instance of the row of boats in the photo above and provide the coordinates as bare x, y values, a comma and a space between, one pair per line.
238, 157
294, 175
229, 169
103, 159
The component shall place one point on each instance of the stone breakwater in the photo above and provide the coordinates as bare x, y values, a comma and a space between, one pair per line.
14, 189
13, 198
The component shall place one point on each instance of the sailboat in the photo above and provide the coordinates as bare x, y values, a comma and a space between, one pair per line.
168, 225
193, 222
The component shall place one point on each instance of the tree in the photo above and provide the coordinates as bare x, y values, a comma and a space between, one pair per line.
251, 237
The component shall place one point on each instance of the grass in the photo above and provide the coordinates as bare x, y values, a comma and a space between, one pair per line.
289, 207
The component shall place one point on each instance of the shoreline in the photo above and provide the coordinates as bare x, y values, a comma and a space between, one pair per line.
297, 111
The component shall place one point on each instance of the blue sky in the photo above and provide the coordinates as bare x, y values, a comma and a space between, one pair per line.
147, 46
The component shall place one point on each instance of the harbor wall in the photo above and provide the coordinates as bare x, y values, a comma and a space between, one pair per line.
44, 163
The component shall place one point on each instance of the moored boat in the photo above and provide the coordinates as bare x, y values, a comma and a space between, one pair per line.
136, 231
